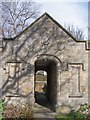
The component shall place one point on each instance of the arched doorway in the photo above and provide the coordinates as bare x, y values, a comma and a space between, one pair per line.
50, 86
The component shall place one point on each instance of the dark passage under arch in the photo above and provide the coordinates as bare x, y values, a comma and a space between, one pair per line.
50, 83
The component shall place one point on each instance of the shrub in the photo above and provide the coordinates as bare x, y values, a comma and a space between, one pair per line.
26, 112
1, 109
12, 111
84, 109
72, 116
81, 114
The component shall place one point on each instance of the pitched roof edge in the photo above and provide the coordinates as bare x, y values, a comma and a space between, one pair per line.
64, 29
85, 41
12, 38
61, 27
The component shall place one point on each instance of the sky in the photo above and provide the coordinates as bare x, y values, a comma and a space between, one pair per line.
68, 13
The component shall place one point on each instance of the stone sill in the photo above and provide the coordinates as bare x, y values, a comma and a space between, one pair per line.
76, 95
13, 96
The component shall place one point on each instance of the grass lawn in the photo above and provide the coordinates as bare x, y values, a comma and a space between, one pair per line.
72, 116
81, 114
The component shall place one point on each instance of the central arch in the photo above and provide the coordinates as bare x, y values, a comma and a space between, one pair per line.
52, 66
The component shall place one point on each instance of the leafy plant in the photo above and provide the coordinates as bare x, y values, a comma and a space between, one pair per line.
26, 112
81, 114
12, 111
1, 109
72, 116
84, 109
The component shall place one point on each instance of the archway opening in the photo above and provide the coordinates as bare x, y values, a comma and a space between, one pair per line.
46, 83
40, 81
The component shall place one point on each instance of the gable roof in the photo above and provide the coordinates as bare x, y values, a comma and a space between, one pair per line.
46, 14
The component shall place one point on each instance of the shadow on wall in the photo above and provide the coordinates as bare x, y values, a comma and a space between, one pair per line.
24, 49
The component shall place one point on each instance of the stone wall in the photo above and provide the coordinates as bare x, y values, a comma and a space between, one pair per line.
45, 37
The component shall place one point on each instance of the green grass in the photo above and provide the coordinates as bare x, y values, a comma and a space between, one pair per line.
81, 114
72, 116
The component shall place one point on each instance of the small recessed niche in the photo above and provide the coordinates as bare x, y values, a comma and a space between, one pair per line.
12, 67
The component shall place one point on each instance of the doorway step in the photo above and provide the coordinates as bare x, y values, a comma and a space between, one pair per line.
43, 112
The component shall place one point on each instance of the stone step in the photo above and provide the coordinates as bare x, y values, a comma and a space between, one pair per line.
39, 108
44, 115
44, 106
43, 112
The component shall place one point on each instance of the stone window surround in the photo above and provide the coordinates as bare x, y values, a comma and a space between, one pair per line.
80, 66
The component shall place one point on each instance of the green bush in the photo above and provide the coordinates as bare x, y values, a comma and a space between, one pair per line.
26, 112
84, 109
81, 114
72, 116
15, 112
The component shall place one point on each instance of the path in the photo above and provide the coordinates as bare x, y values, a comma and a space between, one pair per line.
43, 108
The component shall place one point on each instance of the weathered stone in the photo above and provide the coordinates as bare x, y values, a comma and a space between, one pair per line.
45, 45
64, 109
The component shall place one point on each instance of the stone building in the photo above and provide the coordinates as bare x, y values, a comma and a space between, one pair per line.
44, 45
